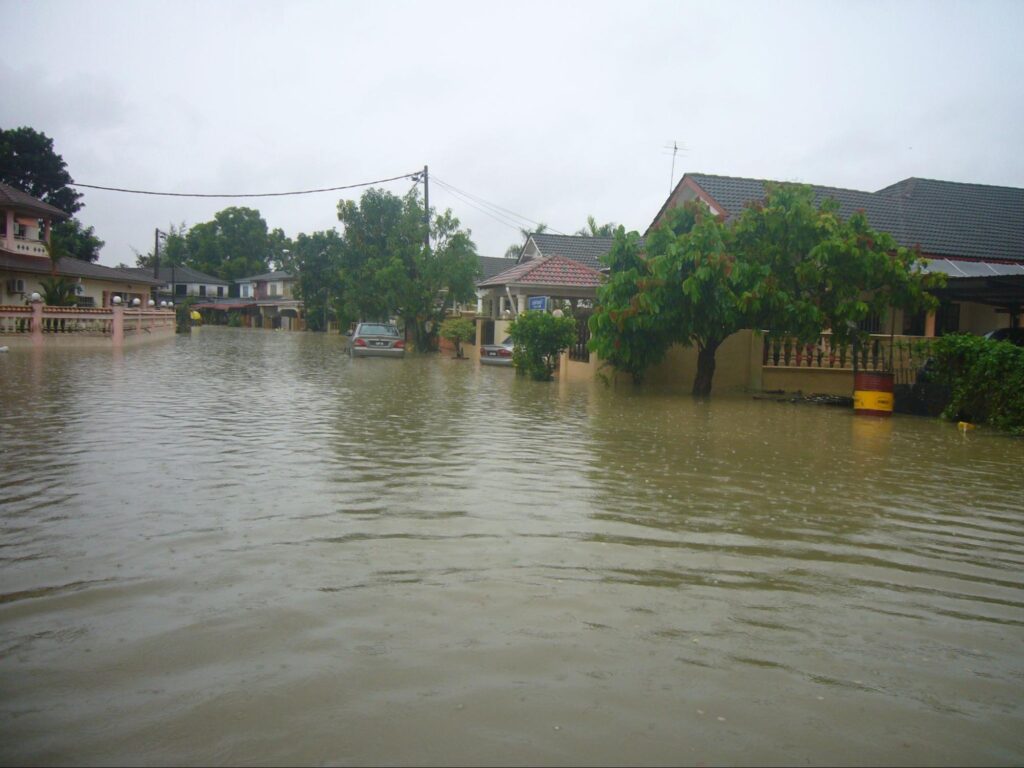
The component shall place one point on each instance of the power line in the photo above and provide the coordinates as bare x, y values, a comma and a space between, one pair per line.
500, 218
256, 194
509, 214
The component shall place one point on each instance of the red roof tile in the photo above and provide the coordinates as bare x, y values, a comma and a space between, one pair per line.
551, 270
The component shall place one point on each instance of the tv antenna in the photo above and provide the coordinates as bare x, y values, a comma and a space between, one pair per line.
675, 147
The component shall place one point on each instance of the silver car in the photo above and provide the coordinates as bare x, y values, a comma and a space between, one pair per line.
497, 354
376, 340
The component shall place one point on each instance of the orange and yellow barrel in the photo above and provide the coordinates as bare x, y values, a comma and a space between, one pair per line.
872, 394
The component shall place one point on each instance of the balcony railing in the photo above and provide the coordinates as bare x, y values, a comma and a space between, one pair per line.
903, 355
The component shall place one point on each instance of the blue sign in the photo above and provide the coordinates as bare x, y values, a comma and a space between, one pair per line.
537, 302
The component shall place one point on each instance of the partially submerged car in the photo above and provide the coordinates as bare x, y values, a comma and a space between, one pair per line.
497, 354
376, 340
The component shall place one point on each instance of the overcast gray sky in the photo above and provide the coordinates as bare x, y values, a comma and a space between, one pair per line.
552, 110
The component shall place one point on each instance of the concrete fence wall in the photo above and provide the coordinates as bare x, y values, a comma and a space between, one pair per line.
41, 325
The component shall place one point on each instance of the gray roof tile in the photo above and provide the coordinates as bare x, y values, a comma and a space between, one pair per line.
585, 250
945, 218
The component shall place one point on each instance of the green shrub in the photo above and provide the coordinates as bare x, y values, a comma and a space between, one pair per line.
458, 330
539, 337
234, 319
985, 380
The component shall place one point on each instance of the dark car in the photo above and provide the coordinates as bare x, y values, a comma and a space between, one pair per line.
1012, 335
377, 340
497, 354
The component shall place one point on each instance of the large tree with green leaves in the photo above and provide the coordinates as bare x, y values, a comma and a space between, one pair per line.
316, 259
29, 162
234, 244
386, 267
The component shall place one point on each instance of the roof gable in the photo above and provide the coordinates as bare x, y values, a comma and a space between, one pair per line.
547, 271
585, 250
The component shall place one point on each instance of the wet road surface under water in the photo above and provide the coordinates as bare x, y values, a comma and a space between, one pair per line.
242, 547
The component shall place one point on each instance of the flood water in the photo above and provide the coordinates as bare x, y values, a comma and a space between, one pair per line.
242, 547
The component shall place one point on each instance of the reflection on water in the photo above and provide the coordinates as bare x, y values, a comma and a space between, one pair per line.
243, 547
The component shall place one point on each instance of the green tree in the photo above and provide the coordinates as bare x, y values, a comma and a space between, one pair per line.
628, 329
593, 229
28, 161
539, 337
316, 259
387, 269
76, 240
459, 331
233, 245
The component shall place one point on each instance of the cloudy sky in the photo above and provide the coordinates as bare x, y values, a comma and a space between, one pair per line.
551, 110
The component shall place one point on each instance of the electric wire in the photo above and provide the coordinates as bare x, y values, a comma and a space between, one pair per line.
509, 214
252, 194
511, 224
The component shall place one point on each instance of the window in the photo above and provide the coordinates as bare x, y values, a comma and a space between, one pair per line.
871, 324
180, 289
220, 291
202, 290
947, 318
913, 325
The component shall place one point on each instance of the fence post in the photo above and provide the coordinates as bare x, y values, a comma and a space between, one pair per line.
117, 325
36, 325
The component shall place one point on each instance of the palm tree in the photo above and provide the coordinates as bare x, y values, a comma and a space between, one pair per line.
593, 230
513, 250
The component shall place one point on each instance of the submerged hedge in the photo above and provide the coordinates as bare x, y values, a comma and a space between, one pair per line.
985, 380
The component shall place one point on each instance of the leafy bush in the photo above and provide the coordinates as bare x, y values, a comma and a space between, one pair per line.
458, 330
539, 337
234, 319
985, 380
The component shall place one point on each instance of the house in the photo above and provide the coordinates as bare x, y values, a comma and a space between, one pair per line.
273, 294
25, 224
974, 233
533, 283
179, 282
971, 232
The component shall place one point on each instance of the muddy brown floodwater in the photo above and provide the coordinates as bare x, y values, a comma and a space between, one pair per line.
242, 547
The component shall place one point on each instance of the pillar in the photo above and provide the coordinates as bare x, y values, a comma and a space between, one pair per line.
36, 325
117, 325
929, 325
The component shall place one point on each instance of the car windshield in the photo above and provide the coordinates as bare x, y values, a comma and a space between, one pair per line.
507, 342
372, 329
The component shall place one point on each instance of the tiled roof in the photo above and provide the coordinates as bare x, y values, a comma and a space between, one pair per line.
493, 265
267, 276
69, 267
180, 274
945, 218
550, 270
12, 197
585, 250
952, 219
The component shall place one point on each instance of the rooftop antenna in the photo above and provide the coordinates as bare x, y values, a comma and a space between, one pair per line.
675, 148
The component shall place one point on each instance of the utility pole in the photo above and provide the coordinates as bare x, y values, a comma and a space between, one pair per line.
156, 254
426, 206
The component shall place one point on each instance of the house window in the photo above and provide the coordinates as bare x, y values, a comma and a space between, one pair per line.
871, 324
913, 325
220, 291
202, 290
947, 318
180, 289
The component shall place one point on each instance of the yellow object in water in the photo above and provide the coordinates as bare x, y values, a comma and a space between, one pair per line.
963, 426
195, 315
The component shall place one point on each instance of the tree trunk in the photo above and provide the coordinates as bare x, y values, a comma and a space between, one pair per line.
705, 368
